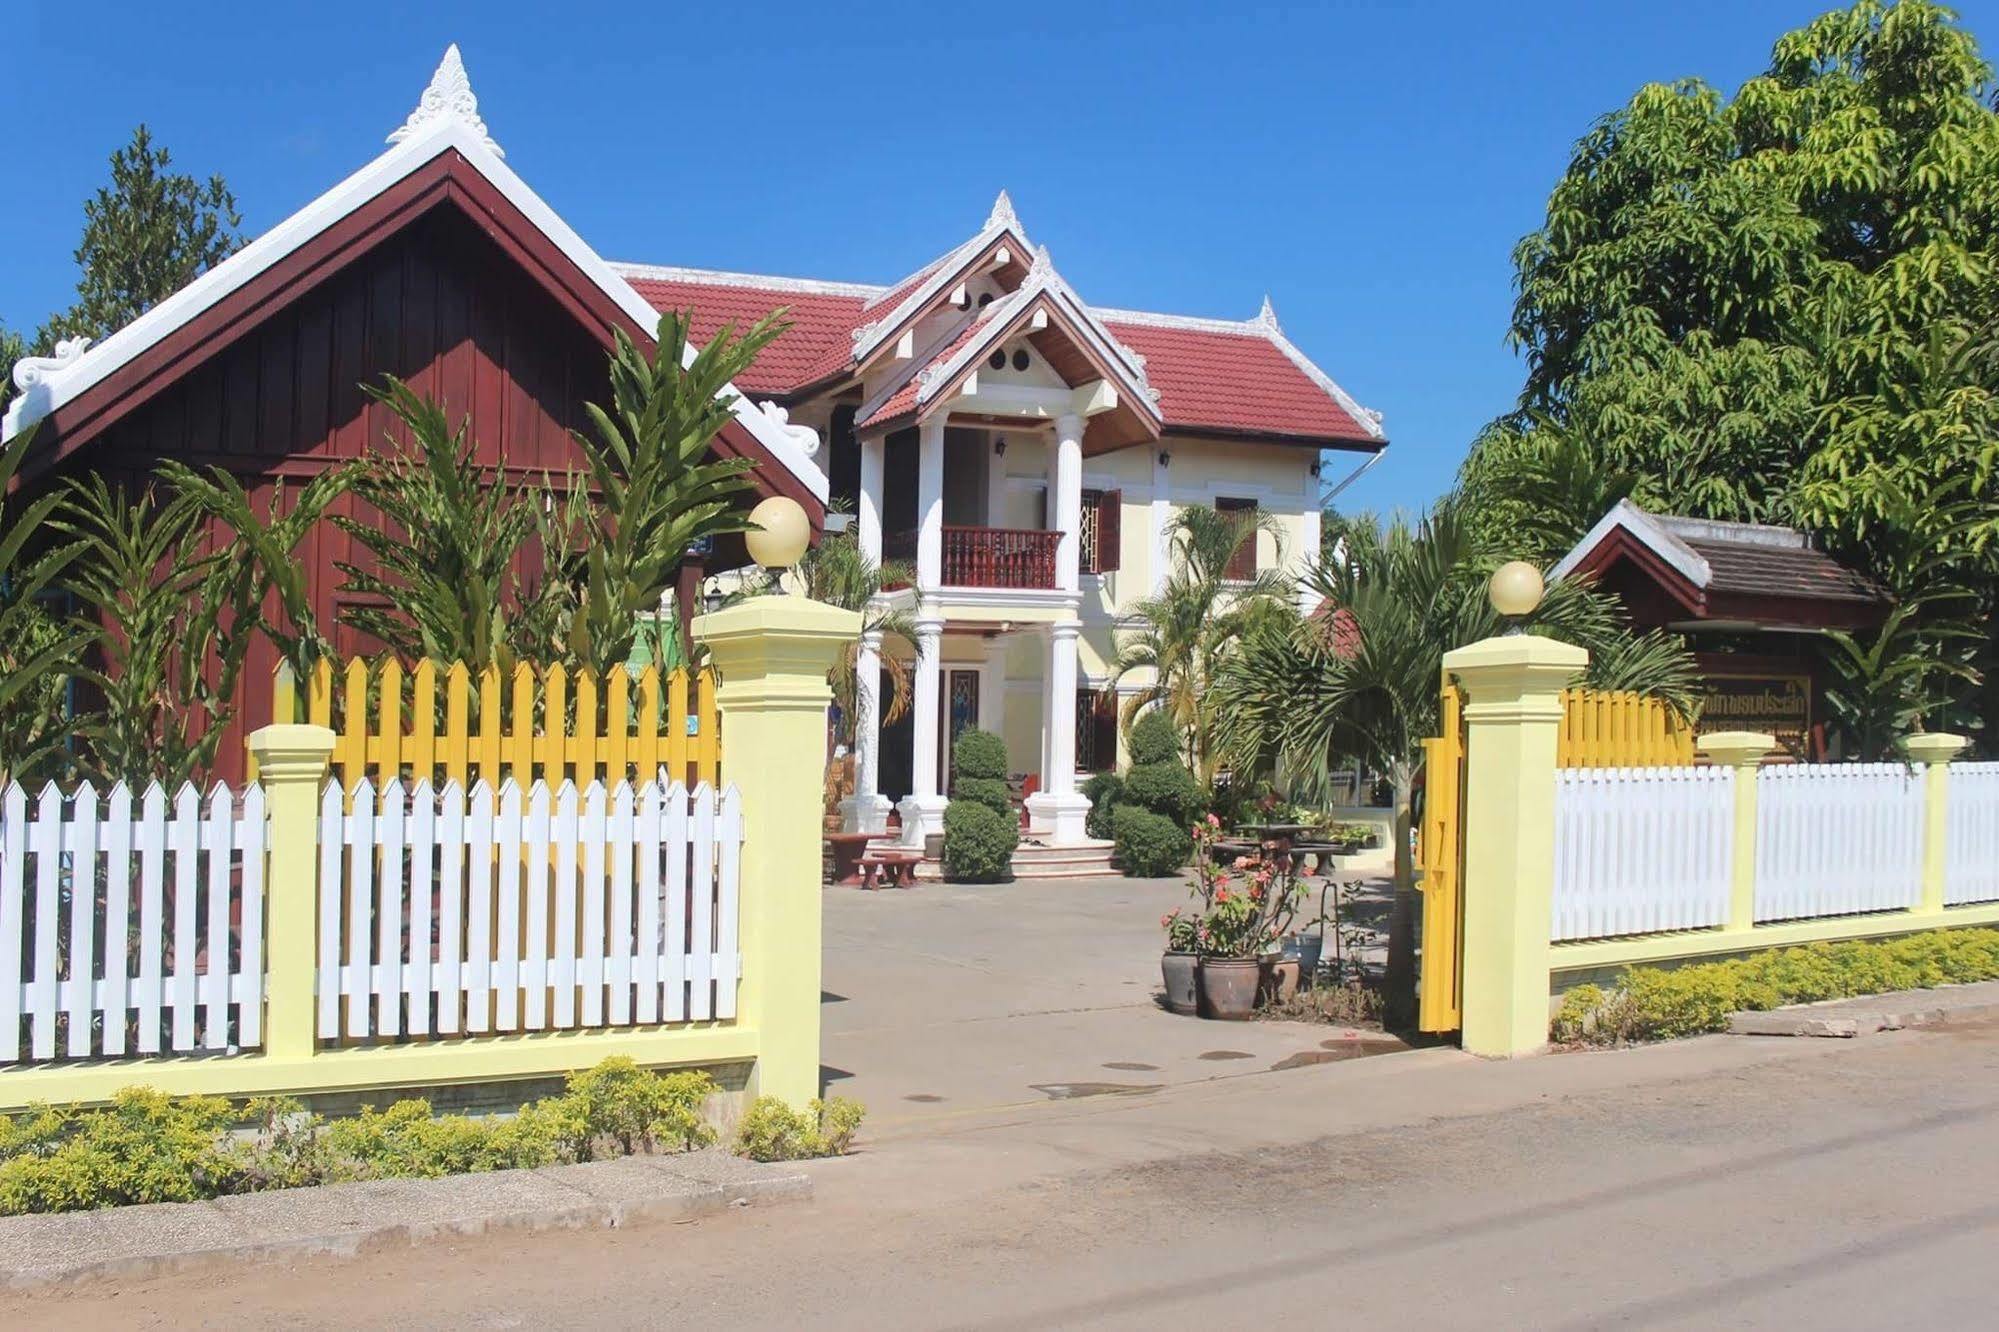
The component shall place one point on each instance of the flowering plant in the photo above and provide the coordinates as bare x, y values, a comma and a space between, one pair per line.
1246, 903
1183, 930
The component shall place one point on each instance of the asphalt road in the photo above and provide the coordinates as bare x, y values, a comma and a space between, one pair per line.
1718, 1183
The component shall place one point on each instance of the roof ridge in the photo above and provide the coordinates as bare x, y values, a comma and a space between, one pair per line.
760, 281
1195, 323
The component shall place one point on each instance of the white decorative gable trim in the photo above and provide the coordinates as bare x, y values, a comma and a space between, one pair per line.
429, 139
1002, 221
35, 376
804, 436
1650, 532
448, 96
1002, 215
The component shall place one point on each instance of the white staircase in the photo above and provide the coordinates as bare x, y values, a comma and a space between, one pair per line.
1033, 860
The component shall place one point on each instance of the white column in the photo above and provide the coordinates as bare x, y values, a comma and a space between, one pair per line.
923, 810
1310, 526
1162, 515
868, 515
1057, 811
930, 506
867, 809
1065, 494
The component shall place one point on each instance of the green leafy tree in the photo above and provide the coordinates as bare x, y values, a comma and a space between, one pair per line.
146, 235
1361, 678
654, 492
39, 648
1192, 623
1777, 306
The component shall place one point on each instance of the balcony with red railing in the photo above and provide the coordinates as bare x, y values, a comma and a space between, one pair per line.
988, 556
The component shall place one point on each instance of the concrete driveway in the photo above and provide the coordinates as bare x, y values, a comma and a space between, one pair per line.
950, 1000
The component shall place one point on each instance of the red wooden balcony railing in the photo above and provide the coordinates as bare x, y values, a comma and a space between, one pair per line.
988, 556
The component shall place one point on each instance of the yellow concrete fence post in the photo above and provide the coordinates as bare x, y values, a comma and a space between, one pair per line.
1934, 752
1743, 751
291, 765
1513, 721
772, 654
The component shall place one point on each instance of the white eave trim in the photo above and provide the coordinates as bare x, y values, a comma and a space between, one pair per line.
64, 385
1684, 559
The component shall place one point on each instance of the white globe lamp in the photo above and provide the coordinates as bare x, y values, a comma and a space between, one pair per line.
779, 533
1515, 590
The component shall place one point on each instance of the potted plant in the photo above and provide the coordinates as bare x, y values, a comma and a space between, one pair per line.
1232, 942
1179, 965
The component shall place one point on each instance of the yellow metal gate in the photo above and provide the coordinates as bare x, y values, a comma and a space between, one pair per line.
1599, 730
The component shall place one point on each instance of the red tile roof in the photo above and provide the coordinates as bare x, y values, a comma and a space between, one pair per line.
903, 400
822, 325
1211, 374
1234, 381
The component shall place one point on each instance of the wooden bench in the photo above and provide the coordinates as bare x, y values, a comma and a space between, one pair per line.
889, 869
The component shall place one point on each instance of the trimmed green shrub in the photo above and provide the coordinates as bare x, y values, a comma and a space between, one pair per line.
978, 843
991, 792
1165, 788
773, 1131
1154, 739
1105, 790
1149, 845
1657, 1003
151, 1147
977, 753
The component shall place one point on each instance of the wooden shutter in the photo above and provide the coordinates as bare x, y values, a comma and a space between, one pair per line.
1242, 564
1110, 513
1103, 729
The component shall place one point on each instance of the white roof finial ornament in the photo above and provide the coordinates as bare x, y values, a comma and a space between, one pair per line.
1043, 264
804, 436
1002, 214
1267, 316
449, 96
31, 371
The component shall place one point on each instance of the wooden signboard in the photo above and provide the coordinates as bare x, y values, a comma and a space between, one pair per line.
1777, 702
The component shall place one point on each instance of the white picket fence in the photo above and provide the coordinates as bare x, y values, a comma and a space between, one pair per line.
1971, 857
1838, 839
130, 930
463, 913
1639, 850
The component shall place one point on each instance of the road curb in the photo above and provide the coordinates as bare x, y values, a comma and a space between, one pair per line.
344, 1220
1850, 1018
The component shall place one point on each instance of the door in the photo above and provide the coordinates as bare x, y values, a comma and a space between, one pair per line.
960, 710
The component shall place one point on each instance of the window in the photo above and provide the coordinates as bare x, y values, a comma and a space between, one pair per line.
1242, 564
1098, 542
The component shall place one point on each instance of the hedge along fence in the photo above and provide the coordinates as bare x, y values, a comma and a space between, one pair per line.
357, 896
543, 724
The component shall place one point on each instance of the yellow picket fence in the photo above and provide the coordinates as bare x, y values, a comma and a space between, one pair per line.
549, 724
1600, 729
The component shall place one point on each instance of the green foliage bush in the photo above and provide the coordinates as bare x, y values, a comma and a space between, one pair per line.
1656, 1003
1104, 791
1149, 845
151, 1147
1165, 788
991, 792
773, 1131
978, 843
977, 753
1154, 739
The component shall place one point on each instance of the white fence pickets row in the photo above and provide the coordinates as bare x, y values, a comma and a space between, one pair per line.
130, 931
526, 911
1838, 839
1639, 850
1971, 856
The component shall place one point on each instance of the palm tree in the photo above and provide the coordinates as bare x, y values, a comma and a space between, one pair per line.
1541, 489
1194, 621
444, 578
39, 650
1361, 678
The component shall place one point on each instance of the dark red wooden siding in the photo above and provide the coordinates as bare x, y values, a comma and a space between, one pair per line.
437, 304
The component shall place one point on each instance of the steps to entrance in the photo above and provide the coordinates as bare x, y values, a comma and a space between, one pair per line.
1033, 860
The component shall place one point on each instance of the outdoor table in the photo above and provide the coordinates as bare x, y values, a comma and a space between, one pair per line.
848, 848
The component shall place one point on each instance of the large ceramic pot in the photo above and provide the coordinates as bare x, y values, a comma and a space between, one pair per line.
1278, 984
1228, 986
1180, 971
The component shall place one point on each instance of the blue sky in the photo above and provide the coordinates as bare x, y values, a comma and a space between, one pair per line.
1370, 166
